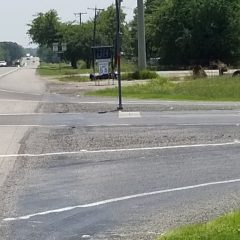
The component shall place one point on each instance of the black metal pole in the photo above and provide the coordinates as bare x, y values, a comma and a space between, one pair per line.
118, 9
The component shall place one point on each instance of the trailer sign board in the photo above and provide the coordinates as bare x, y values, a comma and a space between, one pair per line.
102, 52
55, 47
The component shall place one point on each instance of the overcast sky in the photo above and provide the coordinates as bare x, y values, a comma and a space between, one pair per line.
16, 14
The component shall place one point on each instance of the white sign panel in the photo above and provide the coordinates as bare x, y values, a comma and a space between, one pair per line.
55, 47
103, 68
64, 47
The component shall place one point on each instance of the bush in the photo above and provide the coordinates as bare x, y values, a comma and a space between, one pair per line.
140, 75
82, 64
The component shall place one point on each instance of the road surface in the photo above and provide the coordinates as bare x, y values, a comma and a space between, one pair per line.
72, 168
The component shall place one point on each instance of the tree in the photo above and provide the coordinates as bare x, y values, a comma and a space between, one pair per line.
79, 40
10, 51
45, 28
187, 32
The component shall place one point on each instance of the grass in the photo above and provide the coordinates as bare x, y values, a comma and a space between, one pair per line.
224, 228
48, 69
213, 89
128, 66
58, 70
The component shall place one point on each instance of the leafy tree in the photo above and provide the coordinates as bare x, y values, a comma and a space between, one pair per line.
79, 41
45, 28
194, 31
106, 29
10, 51
2, 54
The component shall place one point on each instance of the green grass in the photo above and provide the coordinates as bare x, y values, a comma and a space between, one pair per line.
128, 66
209, 89
48, 69
58, 70
224, 228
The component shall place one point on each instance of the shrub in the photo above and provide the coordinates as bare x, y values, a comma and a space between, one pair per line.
140, 75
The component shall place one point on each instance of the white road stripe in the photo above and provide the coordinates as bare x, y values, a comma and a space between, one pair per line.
64, 126
120, 150
114, 200
129, 115
11, 91
7, 73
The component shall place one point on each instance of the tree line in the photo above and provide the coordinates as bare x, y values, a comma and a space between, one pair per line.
178, 32
10, 51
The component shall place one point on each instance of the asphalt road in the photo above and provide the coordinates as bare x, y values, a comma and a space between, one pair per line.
82, 171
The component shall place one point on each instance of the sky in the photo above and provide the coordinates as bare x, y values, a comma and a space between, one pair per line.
16, 14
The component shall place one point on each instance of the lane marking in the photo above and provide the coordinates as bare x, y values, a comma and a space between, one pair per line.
64, 126
7, 73
120, 199
236, 142
11, 91
129, 115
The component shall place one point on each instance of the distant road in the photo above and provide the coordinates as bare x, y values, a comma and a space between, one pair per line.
6, 70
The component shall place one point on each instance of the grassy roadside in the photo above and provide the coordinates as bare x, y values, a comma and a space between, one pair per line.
224, 228
213, 89
48, 69
59, 70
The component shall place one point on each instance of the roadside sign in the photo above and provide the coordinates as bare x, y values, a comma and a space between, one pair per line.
102, 52
64, 47
103, 60
103, 68
55, 47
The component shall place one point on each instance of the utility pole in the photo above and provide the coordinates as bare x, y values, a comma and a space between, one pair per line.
96, 10
142, 62
118, 45
80, 16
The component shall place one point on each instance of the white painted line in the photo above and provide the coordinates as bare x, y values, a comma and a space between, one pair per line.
38, 114
7, 73
86, 236
120, 150
11, 91
120, 199
64, 126
129, 114
35, 125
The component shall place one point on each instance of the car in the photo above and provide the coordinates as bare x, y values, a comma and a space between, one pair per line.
3, 63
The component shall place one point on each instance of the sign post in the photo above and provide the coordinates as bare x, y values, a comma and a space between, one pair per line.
118, 48
59, 48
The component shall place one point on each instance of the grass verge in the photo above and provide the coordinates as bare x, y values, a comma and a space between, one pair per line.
224, 228
58, 70
209, 89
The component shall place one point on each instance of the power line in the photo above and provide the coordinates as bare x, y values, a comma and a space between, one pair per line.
97, 11
80, 16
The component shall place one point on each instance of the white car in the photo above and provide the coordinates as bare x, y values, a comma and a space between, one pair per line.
3, 63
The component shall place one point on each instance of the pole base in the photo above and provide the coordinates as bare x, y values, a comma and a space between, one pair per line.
119, 108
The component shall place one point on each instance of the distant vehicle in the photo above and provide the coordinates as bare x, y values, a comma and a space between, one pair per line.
28, 56
3, 63
17, 63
